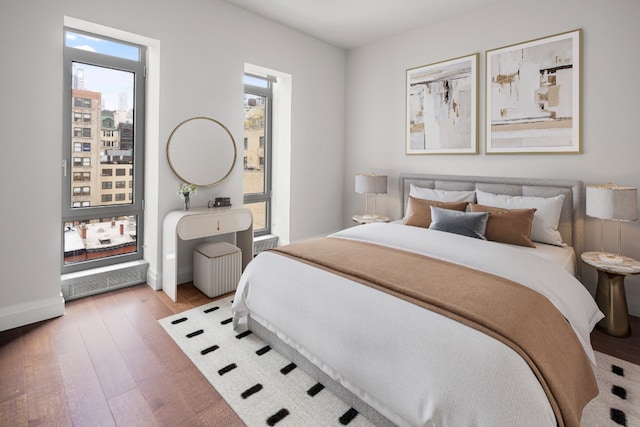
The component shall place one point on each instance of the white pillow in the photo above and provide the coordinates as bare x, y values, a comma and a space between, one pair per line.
438, 196
544, 228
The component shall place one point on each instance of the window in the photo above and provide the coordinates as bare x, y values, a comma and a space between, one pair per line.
81, 161
82, 176
81, 102
257, 144
104, 87
81, 191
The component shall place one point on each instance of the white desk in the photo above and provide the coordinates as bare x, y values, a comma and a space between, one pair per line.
197, 223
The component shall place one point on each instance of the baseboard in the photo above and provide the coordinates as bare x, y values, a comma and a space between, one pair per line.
153, 279
17, 315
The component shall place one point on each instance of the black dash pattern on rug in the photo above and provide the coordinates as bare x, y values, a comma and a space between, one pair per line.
227, 369
180, 320
317, 388
244, 334
617, 370
195, 333
251, 391
277, 417
226, 321
209, 310
616, 415
621, 392
290, 367
209, 349
264, 350
348, 416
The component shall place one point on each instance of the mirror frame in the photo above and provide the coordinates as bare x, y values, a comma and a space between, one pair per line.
233, 143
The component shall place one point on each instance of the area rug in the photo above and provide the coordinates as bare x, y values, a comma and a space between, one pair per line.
264, 388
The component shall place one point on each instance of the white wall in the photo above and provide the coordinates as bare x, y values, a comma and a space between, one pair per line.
204, 45
610, 98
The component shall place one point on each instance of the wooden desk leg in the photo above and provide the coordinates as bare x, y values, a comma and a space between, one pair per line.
612, 301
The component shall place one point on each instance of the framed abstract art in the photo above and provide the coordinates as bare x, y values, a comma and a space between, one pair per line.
442, 107
533, 96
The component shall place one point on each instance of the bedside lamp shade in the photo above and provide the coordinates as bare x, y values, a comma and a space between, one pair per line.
612, 202
371, 184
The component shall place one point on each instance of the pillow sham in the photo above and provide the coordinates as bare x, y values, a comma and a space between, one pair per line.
470, 224
511, 226
421, 210
438, 195
441, 195
544, 228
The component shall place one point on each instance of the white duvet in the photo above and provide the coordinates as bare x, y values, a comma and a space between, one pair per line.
414, 366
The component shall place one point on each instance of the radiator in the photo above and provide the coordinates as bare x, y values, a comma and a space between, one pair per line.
216, 268
263, 243
103, 279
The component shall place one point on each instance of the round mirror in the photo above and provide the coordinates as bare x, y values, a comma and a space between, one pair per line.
201, 151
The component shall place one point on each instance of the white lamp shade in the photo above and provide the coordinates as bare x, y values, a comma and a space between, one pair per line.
371, 183
612, 202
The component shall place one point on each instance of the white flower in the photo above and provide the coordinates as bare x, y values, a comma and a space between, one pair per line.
186, 190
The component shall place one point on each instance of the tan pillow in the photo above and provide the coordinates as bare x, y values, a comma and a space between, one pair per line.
508, 225
421, 210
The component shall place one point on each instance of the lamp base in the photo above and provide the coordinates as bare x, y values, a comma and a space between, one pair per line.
610, 259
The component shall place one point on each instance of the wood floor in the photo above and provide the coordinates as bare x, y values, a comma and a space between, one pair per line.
108, 362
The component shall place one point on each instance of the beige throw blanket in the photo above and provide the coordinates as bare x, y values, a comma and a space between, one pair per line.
519, 317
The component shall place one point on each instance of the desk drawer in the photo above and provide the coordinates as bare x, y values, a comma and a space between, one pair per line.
213, 223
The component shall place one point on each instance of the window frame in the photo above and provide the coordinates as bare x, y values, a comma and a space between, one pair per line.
86, 211
266, 195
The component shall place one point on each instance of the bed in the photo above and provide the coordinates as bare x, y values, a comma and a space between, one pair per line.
400, 361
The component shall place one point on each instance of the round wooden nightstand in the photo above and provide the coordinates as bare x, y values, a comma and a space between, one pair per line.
363, 219
610, 294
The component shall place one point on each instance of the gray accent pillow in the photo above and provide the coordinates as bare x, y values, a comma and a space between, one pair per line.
470, 224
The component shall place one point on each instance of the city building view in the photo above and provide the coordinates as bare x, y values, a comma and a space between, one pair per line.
254, 156
101, 168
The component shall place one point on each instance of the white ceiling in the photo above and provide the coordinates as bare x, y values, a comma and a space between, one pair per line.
352, 23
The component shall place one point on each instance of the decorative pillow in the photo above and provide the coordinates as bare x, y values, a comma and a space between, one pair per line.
545, 220
421, 210
439, 195
511, 226
470, 224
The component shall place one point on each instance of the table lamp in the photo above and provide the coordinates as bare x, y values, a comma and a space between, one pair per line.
371, 184
612, 202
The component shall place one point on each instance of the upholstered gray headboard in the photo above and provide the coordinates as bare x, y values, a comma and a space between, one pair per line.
571, 217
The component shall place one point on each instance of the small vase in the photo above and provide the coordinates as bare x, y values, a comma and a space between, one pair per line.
186, 201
